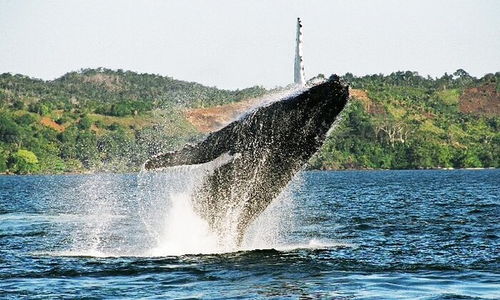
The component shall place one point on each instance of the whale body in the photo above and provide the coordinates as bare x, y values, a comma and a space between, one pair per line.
262, 151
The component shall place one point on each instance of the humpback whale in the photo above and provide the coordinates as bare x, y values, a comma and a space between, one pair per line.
261, 152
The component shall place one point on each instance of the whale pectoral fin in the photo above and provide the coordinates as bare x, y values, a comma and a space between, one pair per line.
163, 160
215, 145
189, 155
185, 156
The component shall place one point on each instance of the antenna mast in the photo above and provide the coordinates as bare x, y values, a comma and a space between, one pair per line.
299, 64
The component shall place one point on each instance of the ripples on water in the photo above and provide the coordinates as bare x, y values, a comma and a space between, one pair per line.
343, 235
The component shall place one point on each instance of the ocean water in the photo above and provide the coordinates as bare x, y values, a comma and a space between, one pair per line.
331, 235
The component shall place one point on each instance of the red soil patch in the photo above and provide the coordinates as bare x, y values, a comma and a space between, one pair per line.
214, 118
483, 100
360, 95
368, 104
48, 122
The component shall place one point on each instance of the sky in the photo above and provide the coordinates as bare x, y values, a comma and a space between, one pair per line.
236, 44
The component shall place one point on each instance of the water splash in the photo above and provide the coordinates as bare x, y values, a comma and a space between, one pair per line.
159, 218
175, 227
97, 206
167, 211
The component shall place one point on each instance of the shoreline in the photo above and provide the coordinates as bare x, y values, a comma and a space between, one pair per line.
307, 170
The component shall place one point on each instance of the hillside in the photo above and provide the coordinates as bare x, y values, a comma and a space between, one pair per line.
104, 120
214, 118
98, 120
405, 121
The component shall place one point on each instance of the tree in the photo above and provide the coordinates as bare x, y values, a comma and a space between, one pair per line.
26, 119
85, 123
10, 132
18, 105
3, 161
23, 162
463, 77
39, 108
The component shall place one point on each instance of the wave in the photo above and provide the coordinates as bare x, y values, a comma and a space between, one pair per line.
313, 244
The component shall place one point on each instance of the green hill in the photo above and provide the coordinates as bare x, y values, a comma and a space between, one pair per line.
405, 121
98, 120
104, 120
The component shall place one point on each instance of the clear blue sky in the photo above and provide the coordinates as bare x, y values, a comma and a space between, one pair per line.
236, 44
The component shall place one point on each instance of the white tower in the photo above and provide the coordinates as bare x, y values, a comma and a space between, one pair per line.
298, 75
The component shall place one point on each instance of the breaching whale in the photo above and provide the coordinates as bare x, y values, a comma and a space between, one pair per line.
264, 150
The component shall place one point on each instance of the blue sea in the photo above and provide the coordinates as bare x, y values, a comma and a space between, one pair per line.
332, 235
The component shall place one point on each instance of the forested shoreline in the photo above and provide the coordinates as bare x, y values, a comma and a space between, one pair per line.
100, 120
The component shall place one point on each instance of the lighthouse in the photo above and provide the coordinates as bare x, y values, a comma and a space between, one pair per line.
298, 75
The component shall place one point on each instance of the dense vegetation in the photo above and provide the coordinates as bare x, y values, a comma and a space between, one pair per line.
406, 121
103, 120
97, 120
